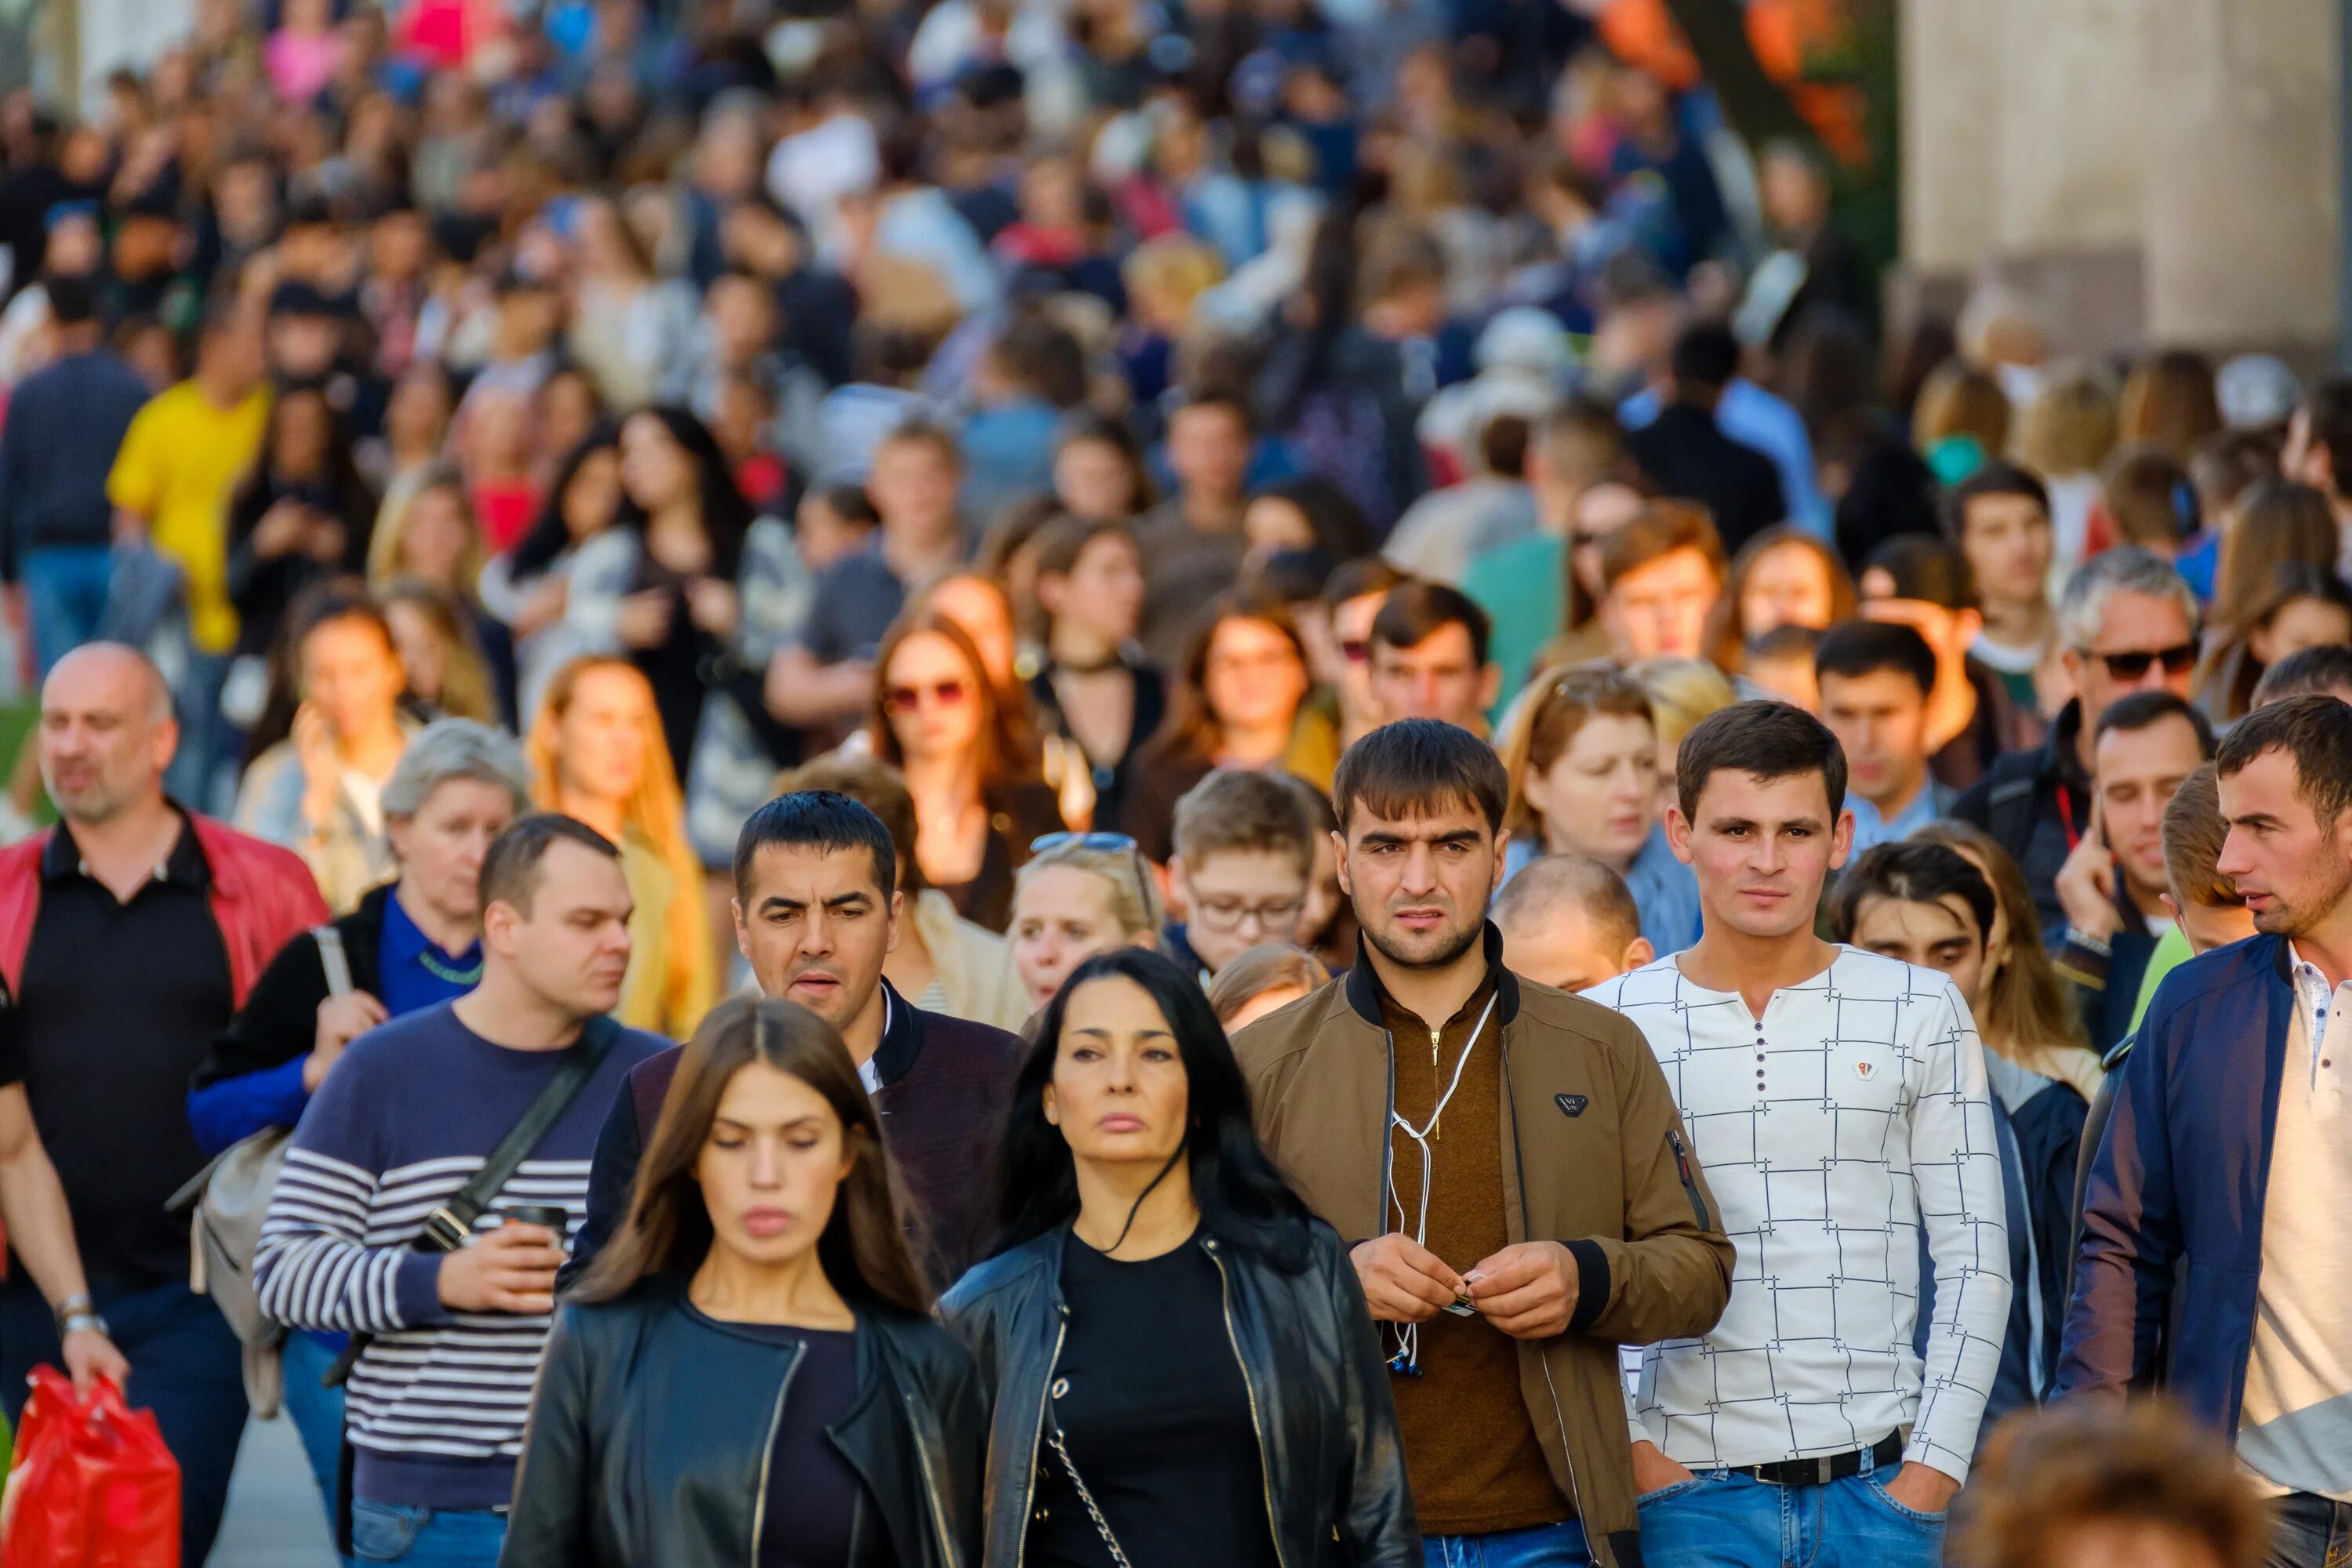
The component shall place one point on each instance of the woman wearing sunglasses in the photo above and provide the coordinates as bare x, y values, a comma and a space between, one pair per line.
1081, 894
978, 805
1184, 1368
749, 1373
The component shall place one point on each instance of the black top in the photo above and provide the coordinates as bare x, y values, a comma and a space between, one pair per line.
1684, 454
1111, 774
672, 667
810, 1517
109, 1042
1156, 1414
1018, 816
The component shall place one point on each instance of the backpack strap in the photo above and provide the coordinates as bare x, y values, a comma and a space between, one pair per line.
333, 959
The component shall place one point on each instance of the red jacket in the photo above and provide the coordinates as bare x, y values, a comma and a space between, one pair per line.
262, 897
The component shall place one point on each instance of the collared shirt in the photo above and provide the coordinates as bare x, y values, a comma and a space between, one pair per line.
118, 1004
1852, 1115
1870, 828
2295, 1430
414, 972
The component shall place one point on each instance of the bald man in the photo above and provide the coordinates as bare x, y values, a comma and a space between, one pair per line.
129, 935
1567, 921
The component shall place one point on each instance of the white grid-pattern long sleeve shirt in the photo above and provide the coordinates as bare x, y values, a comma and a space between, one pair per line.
1853, 1113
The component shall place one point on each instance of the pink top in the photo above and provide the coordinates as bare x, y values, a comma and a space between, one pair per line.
301, 64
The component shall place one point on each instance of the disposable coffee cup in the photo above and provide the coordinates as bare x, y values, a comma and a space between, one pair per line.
554, 1216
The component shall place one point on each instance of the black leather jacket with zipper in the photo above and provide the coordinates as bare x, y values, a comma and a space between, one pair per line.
651, 1426
1334, 1482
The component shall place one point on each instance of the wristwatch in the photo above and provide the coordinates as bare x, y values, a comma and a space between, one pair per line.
76, 1313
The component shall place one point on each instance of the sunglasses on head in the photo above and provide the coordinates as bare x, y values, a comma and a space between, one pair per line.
2178, 659
1107, 843
905, 699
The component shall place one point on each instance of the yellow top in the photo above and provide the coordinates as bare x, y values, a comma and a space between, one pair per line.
180, 463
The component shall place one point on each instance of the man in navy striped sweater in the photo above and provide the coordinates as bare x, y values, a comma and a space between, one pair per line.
436, 1405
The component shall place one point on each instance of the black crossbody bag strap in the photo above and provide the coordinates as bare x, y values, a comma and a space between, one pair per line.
447, 1227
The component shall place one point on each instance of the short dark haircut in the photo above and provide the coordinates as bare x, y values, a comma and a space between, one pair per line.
1995, 478
2138, 710
1923, 567
2316, 731
2314, 671
851, 504
1788, 641
1917, 872
1851, 649
1354, 579
821, 819
876, 785
1414, 765
510, 866
1706, 355
1232, 403
72, 300
1770, 739
2328, 410
1417, 610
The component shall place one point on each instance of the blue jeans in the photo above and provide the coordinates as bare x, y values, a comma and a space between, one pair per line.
2312, 1533
205, 739
424, 1537
186, 1366
1720, 1519
316, 1410
65, 597
1544, 1546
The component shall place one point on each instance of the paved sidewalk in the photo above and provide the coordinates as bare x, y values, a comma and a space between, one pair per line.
274, 1517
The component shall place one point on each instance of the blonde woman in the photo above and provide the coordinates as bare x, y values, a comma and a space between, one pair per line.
2067, 435
597, 753
1682, 692
1080, 894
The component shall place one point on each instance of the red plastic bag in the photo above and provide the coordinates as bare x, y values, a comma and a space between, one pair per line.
92, 1486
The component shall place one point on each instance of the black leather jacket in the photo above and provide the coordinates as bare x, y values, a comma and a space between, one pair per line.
650, 1433
1318, 1391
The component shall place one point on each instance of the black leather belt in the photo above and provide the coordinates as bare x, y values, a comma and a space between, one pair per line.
1827, 1468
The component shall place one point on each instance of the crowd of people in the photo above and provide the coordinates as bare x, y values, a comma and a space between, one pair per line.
770, 732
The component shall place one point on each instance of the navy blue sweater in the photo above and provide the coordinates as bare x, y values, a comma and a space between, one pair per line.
65, 424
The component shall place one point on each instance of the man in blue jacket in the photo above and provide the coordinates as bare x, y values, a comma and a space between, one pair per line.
2214, 1254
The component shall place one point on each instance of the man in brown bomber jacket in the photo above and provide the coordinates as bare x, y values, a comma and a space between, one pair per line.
1523, 1192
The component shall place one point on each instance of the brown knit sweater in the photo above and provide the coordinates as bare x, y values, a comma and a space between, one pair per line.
1472, 1457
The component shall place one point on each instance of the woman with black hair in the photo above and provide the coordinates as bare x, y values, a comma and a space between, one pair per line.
1184, 1368
698, 596
749, 1373
529, 587
301, 515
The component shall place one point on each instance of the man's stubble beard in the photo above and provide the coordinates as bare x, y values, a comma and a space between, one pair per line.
1454, 948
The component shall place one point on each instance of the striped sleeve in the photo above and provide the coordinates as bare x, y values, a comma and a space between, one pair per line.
314, 1265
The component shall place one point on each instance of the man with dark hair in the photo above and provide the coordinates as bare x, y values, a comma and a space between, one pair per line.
817, 912
1191, 543
1926, 583
1661, 574
1429, 656
2112, 887
2126, 623
66, 422
1525, 1190
1999, 517
2306, 671
1875, 677
1244, 854
434, 1409
1569, 923
2214, 1255
1865, 1125
1351, 600
1686, 453
2319, 452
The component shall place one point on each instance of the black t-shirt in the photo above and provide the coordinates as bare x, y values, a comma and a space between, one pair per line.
1156, 1417
118, 1005
812, 1493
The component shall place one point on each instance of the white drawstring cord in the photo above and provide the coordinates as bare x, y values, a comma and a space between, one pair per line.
1408, 1357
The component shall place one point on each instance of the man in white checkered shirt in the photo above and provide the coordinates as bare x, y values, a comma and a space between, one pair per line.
1836, 1101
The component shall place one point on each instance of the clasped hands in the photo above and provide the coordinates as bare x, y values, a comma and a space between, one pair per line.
1528, 1290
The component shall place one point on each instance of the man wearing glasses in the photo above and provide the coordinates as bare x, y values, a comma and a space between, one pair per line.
1243, 851
2127, 622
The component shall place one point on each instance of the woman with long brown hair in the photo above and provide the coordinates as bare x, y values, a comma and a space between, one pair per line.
748, 1372
597, 753
938, 719
1782, 577
1239, 700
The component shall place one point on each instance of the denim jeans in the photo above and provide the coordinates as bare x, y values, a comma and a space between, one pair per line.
424, 1537
2312, 1533
1721, 1519
186, 1366
65, 597
1544, 1546
196, 774
316, 1410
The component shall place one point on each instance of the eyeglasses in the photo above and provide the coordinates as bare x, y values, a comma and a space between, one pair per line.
902, 700
1230, 914
2178, 659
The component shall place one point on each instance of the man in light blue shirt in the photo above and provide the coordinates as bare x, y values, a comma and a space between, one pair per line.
1874, 680
1755, 418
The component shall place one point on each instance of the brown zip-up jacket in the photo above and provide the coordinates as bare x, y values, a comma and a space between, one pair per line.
1603, 1167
